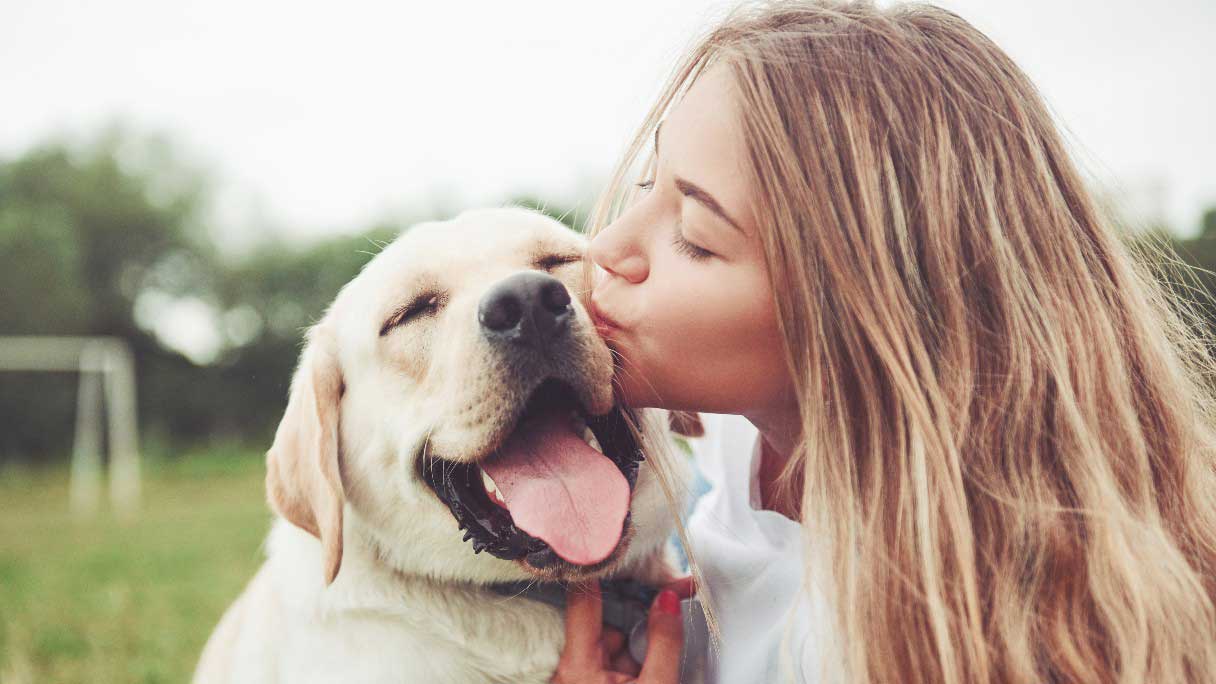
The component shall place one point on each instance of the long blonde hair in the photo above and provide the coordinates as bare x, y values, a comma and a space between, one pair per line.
1007, 424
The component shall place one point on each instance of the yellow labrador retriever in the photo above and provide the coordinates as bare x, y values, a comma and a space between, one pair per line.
450, 427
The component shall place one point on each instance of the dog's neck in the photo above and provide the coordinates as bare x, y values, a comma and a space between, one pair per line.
626, 602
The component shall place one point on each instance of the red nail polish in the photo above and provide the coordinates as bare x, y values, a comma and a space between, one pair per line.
668, 602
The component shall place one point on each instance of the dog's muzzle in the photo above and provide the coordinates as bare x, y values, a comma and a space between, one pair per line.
471, 491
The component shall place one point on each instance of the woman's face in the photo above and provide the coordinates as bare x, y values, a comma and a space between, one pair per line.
683, 294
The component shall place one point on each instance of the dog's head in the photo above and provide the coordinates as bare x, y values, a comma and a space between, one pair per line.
457, 396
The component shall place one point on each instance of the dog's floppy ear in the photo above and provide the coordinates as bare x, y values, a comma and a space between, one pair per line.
303, 482
687, 423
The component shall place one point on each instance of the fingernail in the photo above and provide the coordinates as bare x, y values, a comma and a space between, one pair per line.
668, 602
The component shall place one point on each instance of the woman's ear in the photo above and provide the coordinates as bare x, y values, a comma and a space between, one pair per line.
687, 423
303, 482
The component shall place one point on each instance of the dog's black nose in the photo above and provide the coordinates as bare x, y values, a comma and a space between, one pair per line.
530, 308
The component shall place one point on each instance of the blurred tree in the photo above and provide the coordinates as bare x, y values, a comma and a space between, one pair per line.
83, 233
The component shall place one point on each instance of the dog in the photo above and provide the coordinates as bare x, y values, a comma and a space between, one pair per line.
450, 426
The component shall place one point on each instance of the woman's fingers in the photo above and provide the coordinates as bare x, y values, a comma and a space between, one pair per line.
584, 616
623, 662
664, 640
591, 648
612, 643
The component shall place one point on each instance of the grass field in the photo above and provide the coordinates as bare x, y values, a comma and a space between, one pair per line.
101, 601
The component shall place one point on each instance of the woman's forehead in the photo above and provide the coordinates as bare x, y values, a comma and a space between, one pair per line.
702, 141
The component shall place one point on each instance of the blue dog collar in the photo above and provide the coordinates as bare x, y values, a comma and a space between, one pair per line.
626, 604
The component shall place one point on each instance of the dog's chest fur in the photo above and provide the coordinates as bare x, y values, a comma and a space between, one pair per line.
372, 625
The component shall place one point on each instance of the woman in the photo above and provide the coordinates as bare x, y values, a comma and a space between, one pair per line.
983, 426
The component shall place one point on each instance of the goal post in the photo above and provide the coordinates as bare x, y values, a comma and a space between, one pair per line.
106, 388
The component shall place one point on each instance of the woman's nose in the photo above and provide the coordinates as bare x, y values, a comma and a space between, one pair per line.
612, 250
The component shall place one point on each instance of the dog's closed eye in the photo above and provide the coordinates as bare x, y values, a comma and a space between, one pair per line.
424, 304
548, 262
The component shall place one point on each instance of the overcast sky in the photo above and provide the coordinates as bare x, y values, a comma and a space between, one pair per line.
323, 117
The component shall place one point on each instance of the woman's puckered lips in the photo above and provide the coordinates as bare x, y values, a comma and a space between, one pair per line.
603, 321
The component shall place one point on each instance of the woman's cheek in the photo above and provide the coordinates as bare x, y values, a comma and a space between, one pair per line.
661, 355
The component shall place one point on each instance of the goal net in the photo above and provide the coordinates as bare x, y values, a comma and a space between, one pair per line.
105, 408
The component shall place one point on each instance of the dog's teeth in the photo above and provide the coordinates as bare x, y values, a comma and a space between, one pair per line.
488, 483
576, 419
589, 438
492, 489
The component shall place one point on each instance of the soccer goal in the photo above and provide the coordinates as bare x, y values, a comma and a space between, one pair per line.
107, 388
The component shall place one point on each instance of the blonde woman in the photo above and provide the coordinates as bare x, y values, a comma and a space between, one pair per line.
981, 437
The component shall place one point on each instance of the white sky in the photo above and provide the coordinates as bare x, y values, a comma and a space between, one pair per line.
323, 117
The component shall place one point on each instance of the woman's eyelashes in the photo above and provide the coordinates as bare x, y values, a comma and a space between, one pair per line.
687, 248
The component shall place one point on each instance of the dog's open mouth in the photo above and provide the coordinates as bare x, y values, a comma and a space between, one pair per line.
557, 489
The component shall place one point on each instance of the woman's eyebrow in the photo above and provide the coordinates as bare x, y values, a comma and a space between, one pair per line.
690, 189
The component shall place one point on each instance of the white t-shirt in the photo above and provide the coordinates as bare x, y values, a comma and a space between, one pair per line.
772, 629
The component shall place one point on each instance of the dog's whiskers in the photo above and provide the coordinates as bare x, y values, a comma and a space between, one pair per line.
526, 588
625, 371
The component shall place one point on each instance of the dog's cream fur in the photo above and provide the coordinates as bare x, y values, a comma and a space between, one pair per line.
367, 578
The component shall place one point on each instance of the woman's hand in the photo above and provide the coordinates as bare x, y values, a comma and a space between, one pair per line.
594, 654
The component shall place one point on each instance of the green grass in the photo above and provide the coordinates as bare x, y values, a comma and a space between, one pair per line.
101, 600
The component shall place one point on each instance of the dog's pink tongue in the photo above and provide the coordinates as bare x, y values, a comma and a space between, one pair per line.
560, 489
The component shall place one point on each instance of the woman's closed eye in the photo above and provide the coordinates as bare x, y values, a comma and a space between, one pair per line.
687, 248
683, 246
